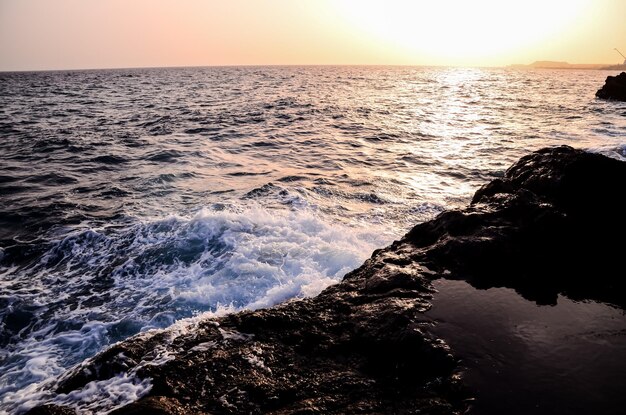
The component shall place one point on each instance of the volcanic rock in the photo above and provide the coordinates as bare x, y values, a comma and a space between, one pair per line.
553, 224
614, 88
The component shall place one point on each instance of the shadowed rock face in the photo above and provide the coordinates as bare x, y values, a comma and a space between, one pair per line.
614, 88
554, 223
363, 346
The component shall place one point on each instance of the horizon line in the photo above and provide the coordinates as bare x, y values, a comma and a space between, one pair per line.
288, 65
250, 65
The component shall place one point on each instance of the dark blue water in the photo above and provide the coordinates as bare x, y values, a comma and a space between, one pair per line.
130, 199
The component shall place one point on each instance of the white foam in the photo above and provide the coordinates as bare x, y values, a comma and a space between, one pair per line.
107, 395
153, 274
616, 151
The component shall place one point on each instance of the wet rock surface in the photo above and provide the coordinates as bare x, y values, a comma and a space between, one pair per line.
614, 88
549, 226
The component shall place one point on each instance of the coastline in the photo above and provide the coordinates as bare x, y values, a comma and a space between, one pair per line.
364, 345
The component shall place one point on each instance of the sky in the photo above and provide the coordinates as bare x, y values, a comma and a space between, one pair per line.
82, 34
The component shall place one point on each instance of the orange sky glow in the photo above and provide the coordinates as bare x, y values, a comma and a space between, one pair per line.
65, 34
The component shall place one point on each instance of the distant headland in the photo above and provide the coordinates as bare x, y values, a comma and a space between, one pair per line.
566, 65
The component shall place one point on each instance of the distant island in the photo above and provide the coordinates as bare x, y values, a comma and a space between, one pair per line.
566, 65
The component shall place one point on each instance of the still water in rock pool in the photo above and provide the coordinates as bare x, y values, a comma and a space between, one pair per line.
521, 358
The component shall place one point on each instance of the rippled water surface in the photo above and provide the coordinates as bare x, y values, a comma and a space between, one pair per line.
130, 199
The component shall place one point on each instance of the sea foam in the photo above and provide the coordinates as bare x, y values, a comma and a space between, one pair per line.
97, 286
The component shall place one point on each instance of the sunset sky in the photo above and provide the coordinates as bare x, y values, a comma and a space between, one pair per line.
64, 34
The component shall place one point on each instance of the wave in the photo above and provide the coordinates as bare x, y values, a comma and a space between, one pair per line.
97, 286
616, 151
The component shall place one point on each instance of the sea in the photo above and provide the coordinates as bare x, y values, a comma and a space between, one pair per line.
133, 199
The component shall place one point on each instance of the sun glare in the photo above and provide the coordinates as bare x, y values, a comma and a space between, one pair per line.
461, 29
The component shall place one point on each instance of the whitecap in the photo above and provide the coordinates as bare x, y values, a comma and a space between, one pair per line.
95, 287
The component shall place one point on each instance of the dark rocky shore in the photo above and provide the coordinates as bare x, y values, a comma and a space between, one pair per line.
614, 88
364, 345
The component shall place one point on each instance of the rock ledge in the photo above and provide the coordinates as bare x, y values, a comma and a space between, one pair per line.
363, 345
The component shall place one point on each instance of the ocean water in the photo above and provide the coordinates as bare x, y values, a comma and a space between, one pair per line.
132, 199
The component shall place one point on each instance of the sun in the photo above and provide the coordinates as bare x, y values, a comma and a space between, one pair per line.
462, 29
